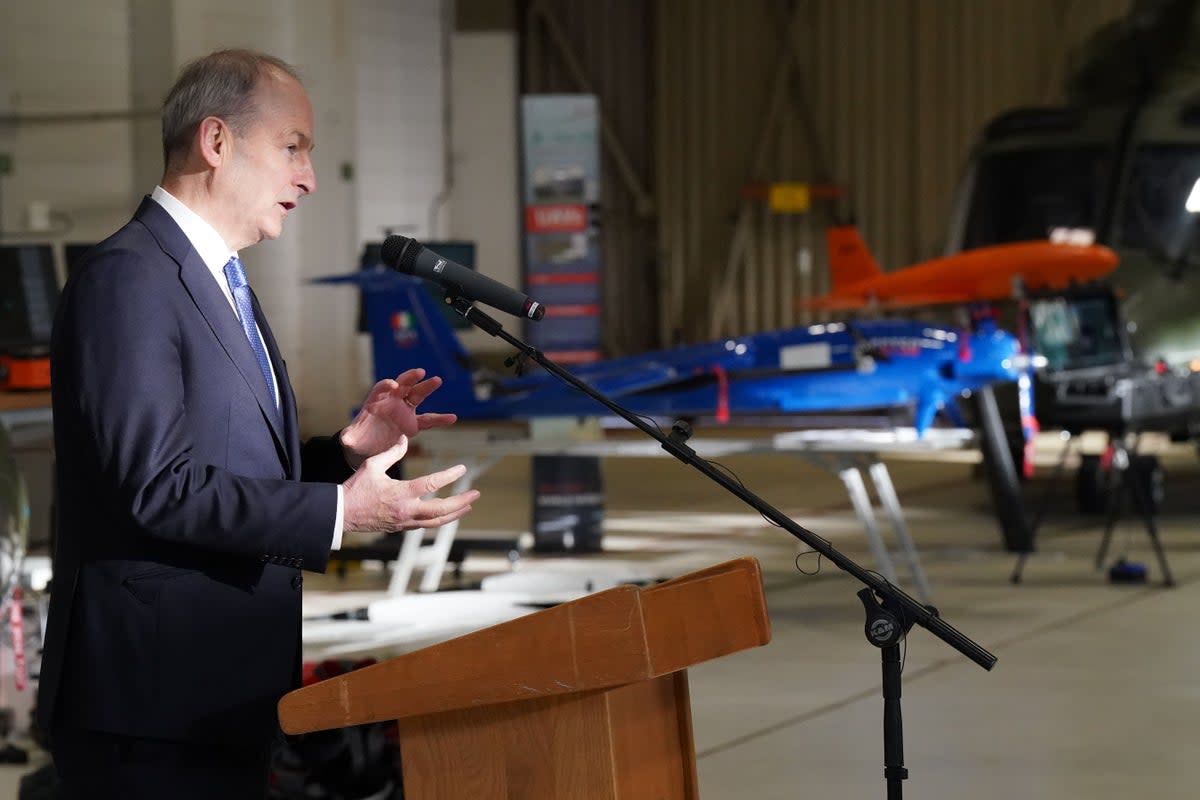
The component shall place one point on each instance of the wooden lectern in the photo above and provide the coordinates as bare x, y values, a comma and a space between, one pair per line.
587, 700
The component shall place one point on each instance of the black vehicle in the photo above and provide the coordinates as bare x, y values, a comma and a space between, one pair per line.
1120, 159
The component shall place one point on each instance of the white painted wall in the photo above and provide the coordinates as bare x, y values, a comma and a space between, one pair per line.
400, 142
484, 203
60, 56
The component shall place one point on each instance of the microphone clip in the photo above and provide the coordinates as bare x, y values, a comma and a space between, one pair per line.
465, 308
519, 363
681, 431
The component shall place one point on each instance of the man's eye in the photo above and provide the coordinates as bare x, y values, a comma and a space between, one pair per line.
292, 148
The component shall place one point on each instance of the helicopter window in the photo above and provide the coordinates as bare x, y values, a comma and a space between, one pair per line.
1077, 331
1153, 216
1021, 196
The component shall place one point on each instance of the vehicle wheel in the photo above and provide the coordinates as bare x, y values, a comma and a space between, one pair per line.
1091, 490
1151, 482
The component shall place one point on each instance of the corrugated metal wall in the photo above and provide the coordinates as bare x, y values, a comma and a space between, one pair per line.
606, 48
708, 97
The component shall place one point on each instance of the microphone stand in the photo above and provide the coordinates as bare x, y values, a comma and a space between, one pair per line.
890, 611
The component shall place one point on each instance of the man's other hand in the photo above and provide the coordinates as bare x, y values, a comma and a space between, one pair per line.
376, 503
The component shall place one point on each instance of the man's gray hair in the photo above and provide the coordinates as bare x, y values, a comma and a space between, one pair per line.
221, 85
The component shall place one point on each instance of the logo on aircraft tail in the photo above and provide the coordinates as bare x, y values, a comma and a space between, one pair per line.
403, 331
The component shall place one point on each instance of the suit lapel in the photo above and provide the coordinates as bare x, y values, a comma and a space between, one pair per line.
221, 318
287, 398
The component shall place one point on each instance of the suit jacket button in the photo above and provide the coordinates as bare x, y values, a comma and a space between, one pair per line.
297, 582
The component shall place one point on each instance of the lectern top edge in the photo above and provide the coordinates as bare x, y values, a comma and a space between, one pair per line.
619, 636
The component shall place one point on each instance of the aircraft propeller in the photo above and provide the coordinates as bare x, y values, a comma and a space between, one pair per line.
1027, 362
863, 347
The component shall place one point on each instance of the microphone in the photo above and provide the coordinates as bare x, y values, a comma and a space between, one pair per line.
410, 257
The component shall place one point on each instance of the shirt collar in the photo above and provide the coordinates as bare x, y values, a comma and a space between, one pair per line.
204, 238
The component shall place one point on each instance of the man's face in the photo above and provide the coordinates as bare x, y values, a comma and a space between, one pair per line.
271, 167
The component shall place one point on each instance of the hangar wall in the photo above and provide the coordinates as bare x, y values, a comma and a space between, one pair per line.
882, 98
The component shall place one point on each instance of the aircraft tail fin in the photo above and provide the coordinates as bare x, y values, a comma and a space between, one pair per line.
850, 261
409, 328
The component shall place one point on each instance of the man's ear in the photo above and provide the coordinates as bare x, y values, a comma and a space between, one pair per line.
215, 140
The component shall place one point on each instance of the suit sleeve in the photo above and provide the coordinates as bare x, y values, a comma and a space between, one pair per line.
119, 356
323, 460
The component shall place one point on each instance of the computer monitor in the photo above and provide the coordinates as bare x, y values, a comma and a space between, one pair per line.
1078, 331
28, 297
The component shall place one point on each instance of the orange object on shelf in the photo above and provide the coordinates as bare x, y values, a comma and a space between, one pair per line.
24, 372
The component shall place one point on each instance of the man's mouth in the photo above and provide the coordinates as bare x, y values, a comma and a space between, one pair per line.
287, 206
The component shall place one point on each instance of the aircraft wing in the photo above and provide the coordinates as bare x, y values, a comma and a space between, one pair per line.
616, 383
655, 370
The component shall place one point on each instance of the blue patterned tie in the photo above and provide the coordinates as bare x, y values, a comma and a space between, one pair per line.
235, 273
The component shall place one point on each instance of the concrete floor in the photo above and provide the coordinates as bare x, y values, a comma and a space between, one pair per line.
1096, 693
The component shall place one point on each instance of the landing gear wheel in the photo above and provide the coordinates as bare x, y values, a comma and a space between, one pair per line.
1091, 486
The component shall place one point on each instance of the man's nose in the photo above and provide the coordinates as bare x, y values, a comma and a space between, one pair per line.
306, 180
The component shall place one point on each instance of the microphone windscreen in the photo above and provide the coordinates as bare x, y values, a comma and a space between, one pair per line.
400, 253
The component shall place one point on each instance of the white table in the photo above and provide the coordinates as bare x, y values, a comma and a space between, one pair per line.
845, 452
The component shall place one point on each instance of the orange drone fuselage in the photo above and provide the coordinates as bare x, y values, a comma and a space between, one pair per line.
998, 272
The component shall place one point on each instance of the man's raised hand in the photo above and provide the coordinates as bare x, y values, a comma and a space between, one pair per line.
389, 412
376, 503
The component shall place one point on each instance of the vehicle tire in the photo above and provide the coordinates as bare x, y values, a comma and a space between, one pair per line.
1091, 490
1151, 484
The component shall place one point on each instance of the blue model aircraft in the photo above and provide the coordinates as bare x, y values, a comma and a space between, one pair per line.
833, 367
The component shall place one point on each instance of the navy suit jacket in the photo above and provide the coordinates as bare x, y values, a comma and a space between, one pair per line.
186, 505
